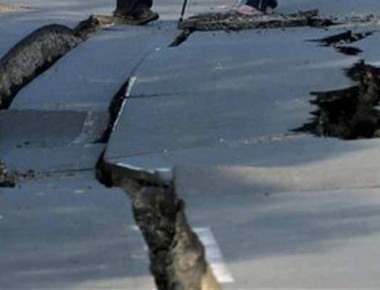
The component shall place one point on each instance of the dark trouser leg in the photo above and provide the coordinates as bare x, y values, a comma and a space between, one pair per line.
130, 7
262, 5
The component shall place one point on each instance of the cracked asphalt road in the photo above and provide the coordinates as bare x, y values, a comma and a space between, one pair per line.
282, 209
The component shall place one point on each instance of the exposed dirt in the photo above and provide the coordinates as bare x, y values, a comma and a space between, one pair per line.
341, 40
349, 113
233, 21
177, 255
348, 50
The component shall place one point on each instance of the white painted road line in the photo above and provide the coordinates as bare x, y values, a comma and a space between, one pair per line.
131, 83
214, 255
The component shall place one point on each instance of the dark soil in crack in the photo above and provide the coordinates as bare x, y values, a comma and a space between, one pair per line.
182, 37
177, 256
7, 179
348, 50
349, 113
341, 40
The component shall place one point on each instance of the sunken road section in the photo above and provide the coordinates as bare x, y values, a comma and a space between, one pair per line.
349, 113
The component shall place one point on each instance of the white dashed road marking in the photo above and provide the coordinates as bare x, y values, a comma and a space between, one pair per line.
214, 255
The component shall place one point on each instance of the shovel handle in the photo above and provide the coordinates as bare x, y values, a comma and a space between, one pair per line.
183, 10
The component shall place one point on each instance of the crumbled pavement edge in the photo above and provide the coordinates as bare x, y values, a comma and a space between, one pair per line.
177, 256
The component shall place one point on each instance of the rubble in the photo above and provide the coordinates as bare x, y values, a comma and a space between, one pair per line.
233, 21
7, 179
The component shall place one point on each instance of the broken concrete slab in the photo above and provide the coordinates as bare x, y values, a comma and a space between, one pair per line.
89, 77
289, 239
69, 232
199, 96
272, 164
276, 56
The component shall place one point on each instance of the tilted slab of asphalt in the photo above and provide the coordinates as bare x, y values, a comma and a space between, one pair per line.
89, 76
218, 88
69, 232
66, 109
286, 240
285, 209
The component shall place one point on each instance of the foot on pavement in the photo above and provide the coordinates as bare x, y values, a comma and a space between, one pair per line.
247, 10
139, 18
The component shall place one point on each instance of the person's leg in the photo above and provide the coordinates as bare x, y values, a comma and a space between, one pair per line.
136, 11
262, 5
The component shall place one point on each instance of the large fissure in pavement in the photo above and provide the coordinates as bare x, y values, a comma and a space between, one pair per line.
177, 256
349, 113
36, 53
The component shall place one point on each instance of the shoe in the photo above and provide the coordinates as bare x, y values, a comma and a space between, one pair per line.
262, 5
247, 10
139, 18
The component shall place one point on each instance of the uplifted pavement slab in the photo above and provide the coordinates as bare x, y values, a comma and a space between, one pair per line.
88, 77
218, 88
273, 164
69, 232
280, 209
289, 239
